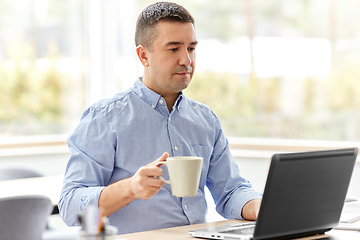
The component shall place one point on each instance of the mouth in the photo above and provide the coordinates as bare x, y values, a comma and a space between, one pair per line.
182, 73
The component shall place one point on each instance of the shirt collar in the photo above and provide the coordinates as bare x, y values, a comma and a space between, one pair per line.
179, 102
151, 97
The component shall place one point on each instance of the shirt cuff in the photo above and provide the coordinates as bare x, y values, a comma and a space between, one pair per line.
239, 201
90, 196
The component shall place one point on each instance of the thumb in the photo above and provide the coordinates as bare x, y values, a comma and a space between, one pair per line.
160, 159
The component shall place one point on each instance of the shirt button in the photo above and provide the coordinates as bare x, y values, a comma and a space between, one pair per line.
185, 206
161, 101
176, 148
152, 106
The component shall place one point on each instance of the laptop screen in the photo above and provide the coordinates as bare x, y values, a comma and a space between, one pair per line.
304, 193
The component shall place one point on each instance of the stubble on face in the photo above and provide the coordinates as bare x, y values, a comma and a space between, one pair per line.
185, 74
172, 56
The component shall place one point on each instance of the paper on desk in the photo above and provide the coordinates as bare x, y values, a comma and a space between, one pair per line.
349, 217
348, 226
350, 212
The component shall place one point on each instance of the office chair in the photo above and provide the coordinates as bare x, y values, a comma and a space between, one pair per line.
9, 173
51, 232
24, 217
16, 172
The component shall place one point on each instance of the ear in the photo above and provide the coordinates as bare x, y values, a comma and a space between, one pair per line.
142, 53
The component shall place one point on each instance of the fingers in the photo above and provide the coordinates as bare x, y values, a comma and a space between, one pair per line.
146, 182
145, 185
149, 172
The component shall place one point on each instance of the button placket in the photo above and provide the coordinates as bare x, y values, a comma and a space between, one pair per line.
175, 142
186, 209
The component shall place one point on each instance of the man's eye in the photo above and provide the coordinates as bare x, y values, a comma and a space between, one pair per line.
173, 49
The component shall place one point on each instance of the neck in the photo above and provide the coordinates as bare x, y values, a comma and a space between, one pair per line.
170, 98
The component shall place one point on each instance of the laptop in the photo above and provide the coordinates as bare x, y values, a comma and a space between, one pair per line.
303, 196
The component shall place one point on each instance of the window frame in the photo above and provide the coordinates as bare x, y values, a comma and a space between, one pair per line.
100, 54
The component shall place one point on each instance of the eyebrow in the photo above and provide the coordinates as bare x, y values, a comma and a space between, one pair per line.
179, 43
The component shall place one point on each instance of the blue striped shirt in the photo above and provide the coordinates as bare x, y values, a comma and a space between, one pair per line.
117, 136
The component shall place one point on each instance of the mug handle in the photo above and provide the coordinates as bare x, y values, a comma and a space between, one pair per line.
161, 178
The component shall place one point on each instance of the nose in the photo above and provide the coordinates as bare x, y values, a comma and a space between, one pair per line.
185, 58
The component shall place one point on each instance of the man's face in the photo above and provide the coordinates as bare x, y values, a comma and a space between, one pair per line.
171, 61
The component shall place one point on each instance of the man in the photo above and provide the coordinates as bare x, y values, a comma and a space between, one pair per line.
113, 148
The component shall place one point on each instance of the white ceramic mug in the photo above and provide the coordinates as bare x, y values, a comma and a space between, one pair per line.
184, 175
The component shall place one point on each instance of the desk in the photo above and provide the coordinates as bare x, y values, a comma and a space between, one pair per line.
180, 233
49, 186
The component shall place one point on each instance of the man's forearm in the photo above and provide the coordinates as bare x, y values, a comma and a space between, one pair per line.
144, 184
115, 196
251, 209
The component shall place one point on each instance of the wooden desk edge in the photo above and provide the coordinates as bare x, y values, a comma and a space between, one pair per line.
181, 232
174, 233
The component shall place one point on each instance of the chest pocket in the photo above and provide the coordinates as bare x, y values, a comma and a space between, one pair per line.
203, 151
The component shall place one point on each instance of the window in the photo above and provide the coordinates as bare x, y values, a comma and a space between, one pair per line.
268, 69
42, 67
280, 69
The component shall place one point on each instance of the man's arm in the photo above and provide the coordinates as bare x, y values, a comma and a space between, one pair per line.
231, 191
251, 209
142, 185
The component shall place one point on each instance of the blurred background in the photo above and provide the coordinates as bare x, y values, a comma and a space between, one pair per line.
282, 75
268, 68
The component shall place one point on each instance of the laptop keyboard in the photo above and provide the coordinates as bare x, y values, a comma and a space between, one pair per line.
245, 230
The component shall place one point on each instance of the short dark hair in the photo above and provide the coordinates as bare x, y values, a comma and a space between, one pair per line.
145, 33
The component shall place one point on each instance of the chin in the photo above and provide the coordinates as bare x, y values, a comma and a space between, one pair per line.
186, 84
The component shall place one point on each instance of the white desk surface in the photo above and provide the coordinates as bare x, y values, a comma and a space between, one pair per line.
49, 186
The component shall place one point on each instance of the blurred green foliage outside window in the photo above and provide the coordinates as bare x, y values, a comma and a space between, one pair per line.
41, 66
268, 68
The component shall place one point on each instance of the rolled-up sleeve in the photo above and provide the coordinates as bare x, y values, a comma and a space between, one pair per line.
229, 190
92, 147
